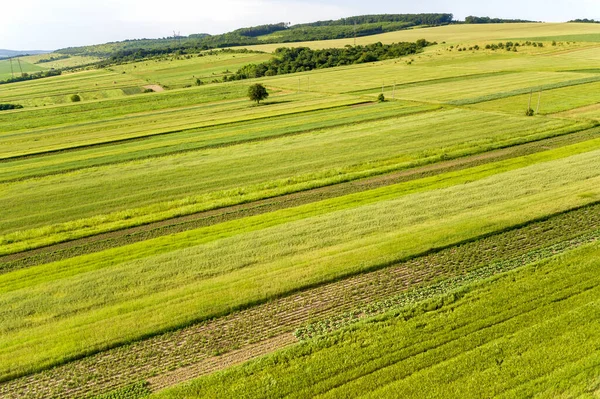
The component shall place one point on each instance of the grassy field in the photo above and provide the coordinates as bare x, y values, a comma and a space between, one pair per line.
148, 239
468, 352
9, 68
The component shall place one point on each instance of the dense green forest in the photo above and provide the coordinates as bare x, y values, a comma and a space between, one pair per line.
276, 33
300, 59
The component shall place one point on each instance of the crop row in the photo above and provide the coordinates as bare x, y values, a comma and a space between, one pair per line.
307, 116
166, 353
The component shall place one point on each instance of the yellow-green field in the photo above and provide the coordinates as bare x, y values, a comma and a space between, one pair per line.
190, 243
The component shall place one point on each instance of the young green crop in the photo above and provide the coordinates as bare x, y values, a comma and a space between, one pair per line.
450, 348
220, 177
135, 291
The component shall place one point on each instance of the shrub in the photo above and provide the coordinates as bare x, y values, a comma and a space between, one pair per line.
75, 98
5, 107
381, 98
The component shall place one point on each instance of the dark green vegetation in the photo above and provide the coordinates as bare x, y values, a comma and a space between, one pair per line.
349, 246
31, 76
5, 107
300, 59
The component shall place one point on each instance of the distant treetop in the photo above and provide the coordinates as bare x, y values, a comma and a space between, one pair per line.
586, 21
487, 20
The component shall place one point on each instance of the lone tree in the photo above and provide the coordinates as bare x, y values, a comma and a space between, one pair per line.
75, 98
257, 92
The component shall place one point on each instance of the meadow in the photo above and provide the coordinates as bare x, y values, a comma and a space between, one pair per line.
191, 243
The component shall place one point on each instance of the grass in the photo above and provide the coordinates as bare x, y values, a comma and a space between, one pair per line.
90, 85
134, 292
339, 202
254, 171
326, 306
467, 351
6, 72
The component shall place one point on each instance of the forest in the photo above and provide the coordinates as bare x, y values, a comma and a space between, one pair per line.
300, 59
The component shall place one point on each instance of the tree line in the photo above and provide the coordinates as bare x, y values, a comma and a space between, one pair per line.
300, 59
32, 76
487, 20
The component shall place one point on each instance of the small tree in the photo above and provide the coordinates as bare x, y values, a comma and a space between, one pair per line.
75, 98
529, 112
381, 98
257, 92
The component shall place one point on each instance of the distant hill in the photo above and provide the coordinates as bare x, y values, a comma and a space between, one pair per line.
364, 25
15, 53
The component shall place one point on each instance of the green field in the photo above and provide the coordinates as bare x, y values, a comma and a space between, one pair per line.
10, 68
191, 243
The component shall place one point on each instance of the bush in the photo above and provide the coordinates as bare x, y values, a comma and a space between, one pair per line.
5, 107
75, 98
529, 112
381, 98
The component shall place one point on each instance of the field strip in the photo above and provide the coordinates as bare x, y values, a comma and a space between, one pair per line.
188, 140
168, 352
144, 134
175, 225
460, 78
45, 235
527, 90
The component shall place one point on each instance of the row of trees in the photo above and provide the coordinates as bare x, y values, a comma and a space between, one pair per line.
32, 76
291, 60
487, 20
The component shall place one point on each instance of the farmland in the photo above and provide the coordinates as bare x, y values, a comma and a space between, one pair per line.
191, 243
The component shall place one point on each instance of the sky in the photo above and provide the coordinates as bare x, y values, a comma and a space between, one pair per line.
49, 25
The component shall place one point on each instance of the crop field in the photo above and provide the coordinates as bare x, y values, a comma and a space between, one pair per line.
190, 243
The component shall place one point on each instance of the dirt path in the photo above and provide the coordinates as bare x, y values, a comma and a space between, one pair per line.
170, 226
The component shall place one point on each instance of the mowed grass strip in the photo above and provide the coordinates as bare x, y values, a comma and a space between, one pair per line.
60, 311
263, 126
45, 211
139, 126
476, 346
89, 111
